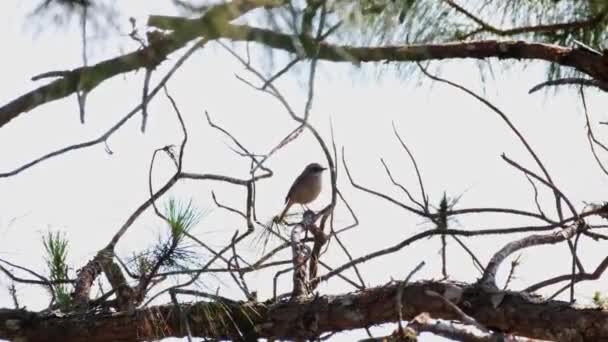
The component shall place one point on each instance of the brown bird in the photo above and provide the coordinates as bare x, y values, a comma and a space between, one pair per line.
305, 189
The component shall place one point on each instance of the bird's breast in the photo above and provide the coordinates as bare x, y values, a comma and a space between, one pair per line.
308, 190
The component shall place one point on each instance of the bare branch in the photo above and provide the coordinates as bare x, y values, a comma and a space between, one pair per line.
422, 235
144, 96
591, 137
376, 193
489, 275
569, 277
425, 198
583, 82
504, 117
116, 126
399, 296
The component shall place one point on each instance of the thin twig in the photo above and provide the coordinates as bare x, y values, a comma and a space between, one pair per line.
144, 96
582, 82
425, 198
399, 296
599, 270
591, 137
513, 129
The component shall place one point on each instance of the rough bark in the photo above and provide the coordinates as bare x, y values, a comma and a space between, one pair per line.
126, 296
509, 312
86, 277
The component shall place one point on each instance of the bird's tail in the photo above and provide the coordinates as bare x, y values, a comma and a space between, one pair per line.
282, 216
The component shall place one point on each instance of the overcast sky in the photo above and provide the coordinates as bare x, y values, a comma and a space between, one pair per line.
88, 194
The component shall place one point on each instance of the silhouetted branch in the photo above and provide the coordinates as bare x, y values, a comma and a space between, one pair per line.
529, 241
104, 137
569, 277
583, 82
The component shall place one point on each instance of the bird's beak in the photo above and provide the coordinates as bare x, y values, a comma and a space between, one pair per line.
323, 168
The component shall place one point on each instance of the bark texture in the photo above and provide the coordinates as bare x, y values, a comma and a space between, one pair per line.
508, 312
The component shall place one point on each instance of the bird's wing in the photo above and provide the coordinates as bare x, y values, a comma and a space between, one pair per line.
293, 186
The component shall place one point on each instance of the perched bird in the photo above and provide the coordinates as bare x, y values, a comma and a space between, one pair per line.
305, 189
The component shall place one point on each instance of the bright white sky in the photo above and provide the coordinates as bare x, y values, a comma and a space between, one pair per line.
88, 194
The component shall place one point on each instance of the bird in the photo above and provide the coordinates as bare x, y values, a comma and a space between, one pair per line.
305, 188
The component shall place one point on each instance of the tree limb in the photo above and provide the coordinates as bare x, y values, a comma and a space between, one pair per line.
517, 313
212, 26
160, 46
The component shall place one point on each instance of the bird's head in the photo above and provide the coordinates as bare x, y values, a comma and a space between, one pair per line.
315, 168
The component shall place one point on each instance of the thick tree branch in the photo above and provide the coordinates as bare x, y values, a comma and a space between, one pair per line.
584, 61
516, 313
212, 26
160, 46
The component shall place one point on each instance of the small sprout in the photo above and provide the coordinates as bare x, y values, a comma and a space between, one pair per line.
12, 290
171, 252
600, 301
514, 264
442, 212
446, 204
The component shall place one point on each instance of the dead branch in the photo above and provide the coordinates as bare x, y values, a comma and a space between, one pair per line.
601, 268
526, 242
512, 127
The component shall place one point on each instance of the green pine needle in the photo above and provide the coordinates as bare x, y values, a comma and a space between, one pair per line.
181, 217
56, 248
